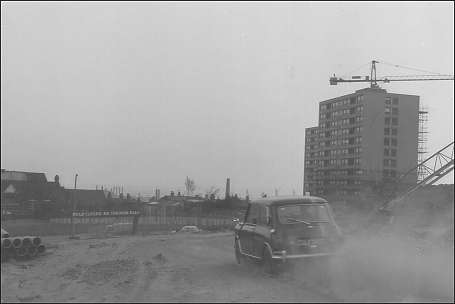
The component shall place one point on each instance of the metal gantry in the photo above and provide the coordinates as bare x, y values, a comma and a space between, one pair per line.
437, 165
433, 168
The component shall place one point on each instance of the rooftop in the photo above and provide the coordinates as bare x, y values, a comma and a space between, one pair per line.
23, 176
364, 90
278, 200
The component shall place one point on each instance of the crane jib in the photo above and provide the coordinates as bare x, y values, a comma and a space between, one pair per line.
334, 81
373, 79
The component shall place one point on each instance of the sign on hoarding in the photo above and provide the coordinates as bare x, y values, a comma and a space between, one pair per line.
105, 213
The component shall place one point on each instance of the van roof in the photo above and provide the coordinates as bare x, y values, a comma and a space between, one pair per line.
283, 200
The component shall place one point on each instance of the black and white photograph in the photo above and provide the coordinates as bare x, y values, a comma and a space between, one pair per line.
227, 151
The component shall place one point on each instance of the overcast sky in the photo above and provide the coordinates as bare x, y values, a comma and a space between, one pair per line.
144, 94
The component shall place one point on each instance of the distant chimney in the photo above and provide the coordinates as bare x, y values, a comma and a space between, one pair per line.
228, 188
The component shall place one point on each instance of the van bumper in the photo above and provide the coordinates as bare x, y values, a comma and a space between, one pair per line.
283, 255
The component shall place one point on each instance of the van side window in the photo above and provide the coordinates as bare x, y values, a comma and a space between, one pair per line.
254, 214
262, 220
257, 215
268, 216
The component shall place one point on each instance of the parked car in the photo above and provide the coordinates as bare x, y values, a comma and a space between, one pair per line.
277, 230
190, 229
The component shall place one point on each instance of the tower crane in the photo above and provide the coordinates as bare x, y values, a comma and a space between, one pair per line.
373, 79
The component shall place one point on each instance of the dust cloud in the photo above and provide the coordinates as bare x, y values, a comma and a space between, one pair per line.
410, 260
392, 268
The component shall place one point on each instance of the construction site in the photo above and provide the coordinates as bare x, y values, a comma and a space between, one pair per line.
250, 103
398, 226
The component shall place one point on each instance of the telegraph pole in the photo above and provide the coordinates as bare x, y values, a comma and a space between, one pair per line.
73, 209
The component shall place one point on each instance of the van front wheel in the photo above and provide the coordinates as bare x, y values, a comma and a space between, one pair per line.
238, 255
270, 266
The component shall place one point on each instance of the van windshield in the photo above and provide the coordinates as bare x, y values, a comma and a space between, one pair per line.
303, 213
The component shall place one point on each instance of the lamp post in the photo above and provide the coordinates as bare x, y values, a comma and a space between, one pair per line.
73, 209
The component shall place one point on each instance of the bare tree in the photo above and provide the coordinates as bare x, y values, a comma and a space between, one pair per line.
212, 192
190, 186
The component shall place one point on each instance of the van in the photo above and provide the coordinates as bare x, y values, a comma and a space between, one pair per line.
277, 230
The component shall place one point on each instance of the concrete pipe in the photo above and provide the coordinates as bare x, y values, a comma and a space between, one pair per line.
6, 243
41, 248
21, 252
32, 251
17, 243
36, 241
27, 241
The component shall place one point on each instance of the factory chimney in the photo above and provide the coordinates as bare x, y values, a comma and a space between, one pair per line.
228, 188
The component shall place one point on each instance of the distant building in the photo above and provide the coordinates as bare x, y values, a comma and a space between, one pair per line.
26, 194
86, 199
181, 198
362, 139
29, 194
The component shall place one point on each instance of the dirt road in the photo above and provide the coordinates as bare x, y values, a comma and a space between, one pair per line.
158, 268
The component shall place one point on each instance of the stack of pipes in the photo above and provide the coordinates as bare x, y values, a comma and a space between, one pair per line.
21, 247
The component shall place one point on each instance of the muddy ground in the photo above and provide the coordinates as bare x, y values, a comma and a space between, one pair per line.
158, 268
198, 268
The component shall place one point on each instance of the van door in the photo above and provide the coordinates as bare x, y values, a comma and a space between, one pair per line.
246, 232
262, 231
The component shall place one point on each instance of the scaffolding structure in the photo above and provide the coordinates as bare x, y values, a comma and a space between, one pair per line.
422, 141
